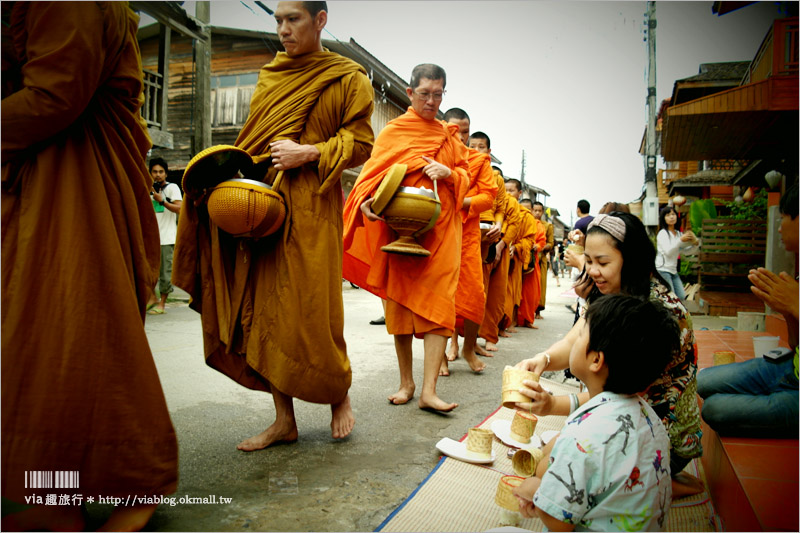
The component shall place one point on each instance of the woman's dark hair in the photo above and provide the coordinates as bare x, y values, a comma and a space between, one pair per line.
625, 327
662, 224
638, 257
788, 204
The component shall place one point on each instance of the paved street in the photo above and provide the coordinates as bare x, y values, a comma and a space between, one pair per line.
317, 483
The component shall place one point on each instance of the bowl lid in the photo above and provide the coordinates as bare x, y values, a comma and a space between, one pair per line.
417, 190
387, 188
245, 181
212, 166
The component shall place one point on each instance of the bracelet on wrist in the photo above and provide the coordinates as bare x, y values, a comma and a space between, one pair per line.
574, 403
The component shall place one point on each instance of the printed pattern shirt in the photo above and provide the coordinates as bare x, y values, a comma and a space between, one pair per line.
609, 469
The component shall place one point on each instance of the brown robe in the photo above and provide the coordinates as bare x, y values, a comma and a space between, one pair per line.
80, 256
272, 308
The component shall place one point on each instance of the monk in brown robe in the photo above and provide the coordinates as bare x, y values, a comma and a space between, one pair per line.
470, 295
544, 263
520, 252
531, 286
272, 310
80, 255
419, 291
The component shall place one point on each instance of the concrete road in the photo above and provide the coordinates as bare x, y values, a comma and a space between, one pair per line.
318, 484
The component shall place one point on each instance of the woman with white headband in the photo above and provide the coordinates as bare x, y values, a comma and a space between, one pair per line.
620, 258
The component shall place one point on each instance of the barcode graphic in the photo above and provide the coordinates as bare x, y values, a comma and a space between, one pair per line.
49, 479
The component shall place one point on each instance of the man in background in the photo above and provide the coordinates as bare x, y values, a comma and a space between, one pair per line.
167, 204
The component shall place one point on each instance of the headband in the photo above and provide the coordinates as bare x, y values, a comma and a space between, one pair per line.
613, 225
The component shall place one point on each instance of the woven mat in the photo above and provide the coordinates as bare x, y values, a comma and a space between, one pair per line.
458, 496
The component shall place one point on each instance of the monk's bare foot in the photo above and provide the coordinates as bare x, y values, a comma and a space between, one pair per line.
342, 419
685, 484
531, 326
46, 518
443, 368
511, 329
491, 347
403, 395
128, 518
480, 351
452, 352
503, 334
538, 316
272, 435
435, 403
475, 364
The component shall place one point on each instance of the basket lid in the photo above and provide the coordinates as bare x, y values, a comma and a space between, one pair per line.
387, 188
212, 166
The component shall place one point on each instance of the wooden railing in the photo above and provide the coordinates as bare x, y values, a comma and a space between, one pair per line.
777, 55
729, 248
153, 95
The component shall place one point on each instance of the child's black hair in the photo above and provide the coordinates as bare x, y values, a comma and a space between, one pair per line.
638, 338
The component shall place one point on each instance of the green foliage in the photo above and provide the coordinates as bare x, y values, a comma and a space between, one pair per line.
699, 211
757, 209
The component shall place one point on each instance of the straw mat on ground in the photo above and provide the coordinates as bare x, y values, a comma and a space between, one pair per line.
458, 496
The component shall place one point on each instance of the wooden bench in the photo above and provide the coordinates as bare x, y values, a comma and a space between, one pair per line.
729, 249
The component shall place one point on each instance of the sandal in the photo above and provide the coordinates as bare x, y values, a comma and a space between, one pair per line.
156, 311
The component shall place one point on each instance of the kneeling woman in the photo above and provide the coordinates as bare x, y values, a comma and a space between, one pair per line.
620, 258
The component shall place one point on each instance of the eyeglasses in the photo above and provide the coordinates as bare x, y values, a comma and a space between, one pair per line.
437, 97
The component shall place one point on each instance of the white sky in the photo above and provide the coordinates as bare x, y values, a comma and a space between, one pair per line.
564, 81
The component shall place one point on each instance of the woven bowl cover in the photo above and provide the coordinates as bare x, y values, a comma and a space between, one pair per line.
212, 166
388, 187
246, 208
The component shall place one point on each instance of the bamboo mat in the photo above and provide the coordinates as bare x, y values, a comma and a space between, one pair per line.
458, 496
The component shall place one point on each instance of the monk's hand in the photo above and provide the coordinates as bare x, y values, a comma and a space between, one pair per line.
779, 291
541, 401
495, 233
525, 493
287, 154
435, 170
366, 208
499, 249
511, 250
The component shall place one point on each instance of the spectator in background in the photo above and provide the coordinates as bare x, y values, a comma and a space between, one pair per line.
167, 204
584, 218
670, 242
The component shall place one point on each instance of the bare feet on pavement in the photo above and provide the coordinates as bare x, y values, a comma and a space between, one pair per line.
475, 364
436, 403
685, 484
443, 369
480, 351
403, 395
511, 329
342, 419
502, 334
452, 352
491, 347
272, 435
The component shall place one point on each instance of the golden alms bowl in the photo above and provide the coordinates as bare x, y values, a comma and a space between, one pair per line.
246, 208
411, 212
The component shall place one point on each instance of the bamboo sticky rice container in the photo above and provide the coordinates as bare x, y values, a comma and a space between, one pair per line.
512, 382
525, 461
503, 497
724, 358
522, 426
479, 442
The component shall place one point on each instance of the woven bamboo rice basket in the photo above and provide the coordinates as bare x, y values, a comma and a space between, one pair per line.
503, 497
522, 426
525, 461
512, 382
479, 442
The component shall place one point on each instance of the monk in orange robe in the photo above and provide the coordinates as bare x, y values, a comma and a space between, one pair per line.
544, 263
80, 256
272, 312
512, 217
470, 295
531, 287
520, 253
419, 291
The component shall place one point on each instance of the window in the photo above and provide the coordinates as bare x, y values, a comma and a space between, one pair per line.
230, 98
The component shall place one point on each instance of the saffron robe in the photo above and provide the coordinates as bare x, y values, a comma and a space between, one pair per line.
80, 256
424, 285
522, 256
531, 286
498, 277
470, 294
544, 263
272, 308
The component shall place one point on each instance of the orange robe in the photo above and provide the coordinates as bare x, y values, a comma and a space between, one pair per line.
272, 308
531, 286
522, 255
498, 277
544, 263
470, 294
422, 286
80, 256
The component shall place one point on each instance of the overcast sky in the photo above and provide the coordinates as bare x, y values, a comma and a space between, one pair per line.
564, 81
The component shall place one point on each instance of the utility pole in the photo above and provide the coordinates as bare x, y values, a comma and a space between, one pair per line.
522, 172
650, 207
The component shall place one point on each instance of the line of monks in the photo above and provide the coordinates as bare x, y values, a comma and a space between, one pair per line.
488, 265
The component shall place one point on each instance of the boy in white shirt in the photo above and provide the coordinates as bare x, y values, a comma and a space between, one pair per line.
609, 468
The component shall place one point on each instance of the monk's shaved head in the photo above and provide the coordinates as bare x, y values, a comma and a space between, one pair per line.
483, 137
430, 71
515, 183
497, 169
456, 113
315, 7
526, 202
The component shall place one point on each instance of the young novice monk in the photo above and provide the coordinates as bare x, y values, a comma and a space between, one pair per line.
609, 468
